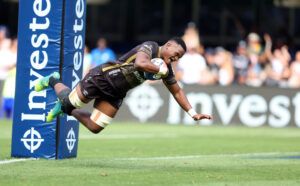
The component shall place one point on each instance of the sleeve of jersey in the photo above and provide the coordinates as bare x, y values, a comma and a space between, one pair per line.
148, 48
170, 79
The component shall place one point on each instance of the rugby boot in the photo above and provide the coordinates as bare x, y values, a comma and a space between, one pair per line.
54, 112
43, 83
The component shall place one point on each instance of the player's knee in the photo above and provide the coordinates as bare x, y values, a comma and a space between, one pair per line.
96, 128
70, 100
75, 99
100, 119
63, 94
67, 106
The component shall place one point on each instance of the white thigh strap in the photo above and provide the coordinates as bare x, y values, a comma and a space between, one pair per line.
100, 118
75, 100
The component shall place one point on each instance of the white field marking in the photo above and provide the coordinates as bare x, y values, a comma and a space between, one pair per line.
155, 135
209, 156
15, 160
126, 136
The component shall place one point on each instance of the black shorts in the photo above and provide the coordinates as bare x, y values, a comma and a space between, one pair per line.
96, 85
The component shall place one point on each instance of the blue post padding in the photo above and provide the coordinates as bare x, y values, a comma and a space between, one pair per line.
39, 35
74, 37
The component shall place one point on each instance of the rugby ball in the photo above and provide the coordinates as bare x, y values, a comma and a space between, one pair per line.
151, 76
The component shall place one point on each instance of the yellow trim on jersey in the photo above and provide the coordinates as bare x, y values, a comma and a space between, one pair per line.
129, 60
110, 67
159, 52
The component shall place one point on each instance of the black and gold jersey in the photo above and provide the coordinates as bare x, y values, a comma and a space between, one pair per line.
122, 75
152, 49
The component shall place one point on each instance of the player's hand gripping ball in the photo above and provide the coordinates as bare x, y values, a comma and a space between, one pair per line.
163, 70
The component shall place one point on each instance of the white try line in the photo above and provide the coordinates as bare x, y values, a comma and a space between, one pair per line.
266, 154
15, 160
126, 136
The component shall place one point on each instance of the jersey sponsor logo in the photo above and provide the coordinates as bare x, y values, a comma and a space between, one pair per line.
149, 47
114, 72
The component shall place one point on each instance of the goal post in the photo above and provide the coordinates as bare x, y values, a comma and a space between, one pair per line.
51, 37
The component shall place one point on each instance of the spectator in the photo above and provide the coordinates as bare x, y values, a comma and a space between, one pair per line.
192, 64
102, 53
223, 59
87, 61
255, 74
191, 67
254, 45
241, 63
278, 71
210, 76
192, 38
294, 80
5, 43
4, 40
10, 81
255, 48
257, 56
5, 53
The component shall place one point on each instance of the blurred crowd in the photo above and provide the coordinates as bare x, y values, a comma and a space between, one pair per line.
254, 62
8, 60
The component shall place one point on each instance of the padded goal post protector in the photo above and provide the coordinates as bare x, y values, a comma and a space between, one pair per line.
45, 38
74, 43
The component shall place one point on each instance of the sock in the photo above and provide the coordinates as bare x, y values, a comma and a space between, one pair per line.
53, 81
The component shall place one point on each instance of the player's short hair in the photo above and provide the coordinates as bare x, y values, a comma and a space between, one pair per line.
179, 41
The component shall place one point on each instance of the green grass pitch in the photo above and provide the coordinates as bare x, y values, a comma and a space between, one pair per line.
159, 154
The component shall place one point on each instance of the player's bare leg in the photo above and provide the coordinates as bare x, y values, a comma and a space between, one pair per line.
61, 90
44, 83
93, 121
70, 102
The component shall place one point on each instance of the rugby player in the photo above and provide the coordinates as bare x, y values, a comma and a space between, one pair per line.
108, 84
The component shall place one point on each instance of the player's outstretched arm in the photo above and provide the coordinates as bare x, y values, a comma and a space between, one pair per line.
182, 100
